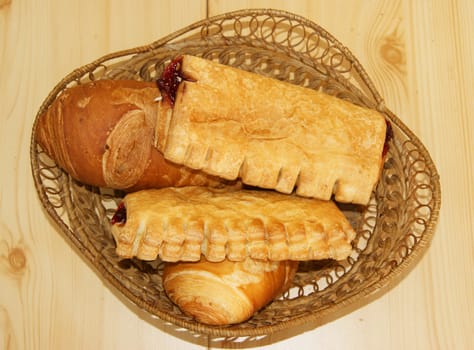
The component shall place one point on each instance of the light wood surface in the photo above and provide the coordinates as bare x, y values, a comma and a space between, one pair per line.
420, 54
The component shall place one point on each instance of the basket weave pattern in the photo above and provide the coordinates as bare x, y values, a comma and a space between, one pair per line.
392, 231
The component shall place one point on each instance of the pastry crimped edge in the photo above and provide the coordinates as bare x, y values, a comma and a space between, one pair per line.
181, 224
272, 134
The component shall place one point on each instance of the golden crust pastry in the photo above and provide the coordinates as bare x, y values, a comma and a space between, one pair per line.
272, 134
180, 224
226, 292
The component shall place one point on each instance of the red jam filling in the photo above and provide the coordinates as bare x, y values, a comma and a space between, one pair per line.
120, 215
170, 79
388, 137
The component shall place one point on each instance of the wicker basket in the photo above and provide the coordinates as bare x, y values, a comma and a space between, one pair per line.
393, 231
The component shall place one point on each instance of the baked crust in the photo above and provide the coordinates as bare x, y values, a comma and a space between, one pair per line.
226, 292
102, 132
272, 134
180, 224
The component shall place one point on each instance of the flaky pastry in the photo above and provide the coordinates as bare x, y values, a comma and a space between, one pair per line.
226, 292
180, 224
271, 134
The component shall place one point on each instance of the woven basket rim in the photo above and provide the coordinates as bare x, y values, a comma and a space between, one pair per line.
330, 313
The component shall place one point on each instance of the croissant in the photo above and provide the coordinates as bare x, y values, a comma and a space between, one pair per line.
271, 134
226, 292
101, 133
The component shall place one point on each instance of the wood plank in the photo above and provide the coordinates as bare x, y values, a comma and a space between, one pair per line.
420, 56
49, 298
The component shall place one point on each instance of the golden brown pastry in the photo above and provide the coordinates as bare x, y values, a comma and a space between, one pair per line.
272, 134
180, 224
226, 292
102, 133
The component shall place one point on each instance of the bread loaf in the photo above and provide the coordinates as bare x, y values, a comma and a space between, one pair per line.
101, 133
226, 292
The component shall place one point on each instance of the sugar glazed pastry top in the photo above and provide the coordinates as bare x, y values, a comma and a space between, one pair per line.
271, 134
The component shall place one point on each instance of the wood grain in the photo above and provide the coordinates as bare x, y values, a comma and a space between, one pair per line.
420, 55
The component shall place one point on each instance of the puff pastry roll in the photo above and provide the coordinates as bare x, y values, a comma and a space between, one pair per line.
272, 134
180, 224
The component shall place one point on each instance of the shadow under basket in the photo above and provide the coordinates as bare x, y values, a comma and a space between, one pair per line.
393, 231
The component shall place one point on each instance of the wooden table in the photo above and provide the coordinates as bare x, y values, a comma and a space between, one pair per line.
420, 54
